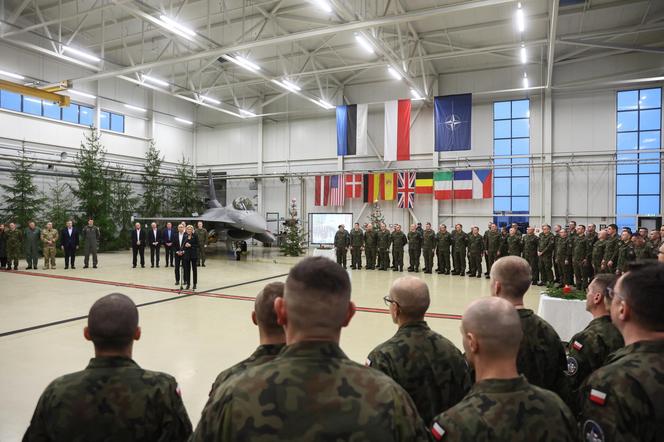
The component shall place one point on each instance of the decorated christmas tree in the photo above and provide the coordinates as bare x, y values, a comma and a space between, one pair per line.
376, 216
292, 244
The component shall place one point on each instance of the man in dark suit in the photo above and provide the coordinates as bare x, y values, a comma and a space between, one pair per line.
178, 245
154, 238
69, 243
168, 240
138, 240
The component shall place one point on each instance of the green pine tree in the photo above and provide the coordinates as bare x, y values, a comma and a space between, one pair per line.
124, 205
153, 182
23, 202
59, 204
185, 199
295, 238
376, 216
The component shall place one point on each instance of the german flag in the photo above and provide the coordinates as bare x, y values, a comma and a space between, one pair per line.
424, 183
371, 187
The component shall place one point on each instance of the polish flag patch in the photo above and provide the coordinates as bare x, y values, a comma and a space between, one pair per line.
367, 363
577, 345
597, 397
437, 431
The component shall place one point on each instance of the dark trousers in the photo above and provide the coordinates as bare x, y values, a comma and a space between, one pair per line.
383, 259
154, 252
341, 256
491, 256
580, 275
3, 262
179, 260
356, 257
459, 257
397, 258
90, 248
443, 260
70, 255
169, 255
545, 264
475, 264
428, 259
190, 269
414, 259
534, 267
135, 250
370, 254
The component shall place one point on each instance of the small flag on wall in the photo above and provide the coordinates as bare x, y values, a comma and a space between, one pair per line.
424, 183
462, 185
482, 183
353, 185
397, 131
387, 186
442, 185
370, 188
452, 118
337, 191
322, 191
352, 129
406, 190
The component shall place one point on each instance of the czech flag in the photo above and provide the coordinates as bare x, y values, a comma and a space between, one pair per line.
482, 183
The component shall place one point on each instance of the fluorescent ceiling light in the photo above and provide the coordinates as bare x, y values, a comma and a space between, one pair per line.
12, 75
81, 94
364, 43
136, 108
154, 80
210, 99
323, 4
177, 26
525, 81
524, 54
324, 104
287, 85
394, 73
416, 95
247, 113
245, 63
80, 53
520, 18
182, 120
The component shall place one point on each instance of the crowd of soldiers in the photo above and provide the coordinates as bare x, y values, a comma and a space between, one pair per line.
514, 382
569, 255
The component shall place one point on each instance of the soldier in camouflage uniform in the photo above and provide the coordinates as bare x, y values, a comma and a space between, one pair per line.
486, 243
493, 241
563, 254
31, 242
592, 237
399, 241
530, 242
384, 241
49, 239
598, 252
14, 241
514, 243
311, 391
443, 243
557, 271
113, 398
341, 243
370, 245
428, 366
202, 236
475, 252
501, 406
623, 399
428, 247
356, 245
588, 349
610, 259
642, 248
541, 357
625, 252
414, 249
545, 249
271, 334
459, 243
581, 256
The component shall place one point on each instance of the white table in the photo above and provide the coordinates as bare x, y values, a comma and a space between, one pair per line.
567, 317
327, 253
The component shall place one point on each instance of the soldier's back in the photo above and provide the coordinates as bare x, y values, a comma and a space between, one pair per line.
311, 392
427, 365
507, 410
113, 399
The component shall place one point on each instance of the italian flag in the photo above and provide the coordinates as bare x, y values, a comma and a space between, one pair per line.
397, 131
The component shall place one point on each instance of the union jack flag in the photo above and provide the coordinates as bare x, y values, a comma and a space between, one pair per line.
406, 190
337, 190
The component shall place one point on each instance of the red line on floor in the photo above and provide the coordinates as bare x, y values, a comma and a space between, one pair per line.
206, 294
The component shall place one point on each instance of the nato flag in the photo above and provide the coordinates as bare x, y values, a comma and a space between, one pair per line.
452, 115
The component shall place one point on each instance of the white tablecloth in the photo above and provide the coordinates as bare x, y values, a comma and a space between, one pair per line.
566, 316
328, 253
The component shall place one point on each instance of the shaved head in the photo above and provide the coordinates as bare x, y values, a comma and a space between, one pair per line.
266, 318
412, 295
510, 278
496, 326
317, 296
112, 322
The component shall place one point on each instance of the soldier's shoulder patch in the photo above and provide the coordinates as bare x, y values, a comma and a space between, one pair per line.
437, 431
178, 391
592, 432
576, 345
572, 366
367, 363
598, 397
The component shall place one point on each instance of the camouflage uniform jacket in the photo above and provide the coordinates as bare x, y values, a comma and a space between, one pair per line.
262, 354
14, 240
384, 239
541, 357
592, 238
370, 239
644, 252
493, 242
563, 250
514, 245
622, 401
581, 249
443, 241
202, 235
475, 244
588, 349
429, 240
625, 255
415, 240
598, 251
611, 249
356, 238
399, 240
427, 365
113, 399
341, 239
50, 235
530, 243
310, 392
546, 244
506, 410
459, 241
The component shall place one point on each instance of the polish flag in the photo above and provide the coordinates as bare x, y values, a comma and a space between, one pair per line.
437, 431
597, 397
577, 345
322, 191
397, 131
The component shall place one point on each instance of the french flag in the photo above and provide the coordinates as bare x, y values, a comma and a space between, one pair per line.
397, 131
463, 185
482, 184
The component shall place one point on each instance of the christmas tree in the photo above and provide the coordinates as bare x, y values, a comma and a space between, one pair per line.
153, 182
184, 197
376, 216
292, 245
60, 204
22, 199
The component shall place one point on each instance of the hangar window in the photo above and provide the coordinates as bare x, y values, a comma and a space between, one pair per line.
638, 144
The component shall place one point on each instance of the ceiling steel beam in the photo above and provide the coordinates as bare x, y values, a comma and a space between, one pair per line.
550, 59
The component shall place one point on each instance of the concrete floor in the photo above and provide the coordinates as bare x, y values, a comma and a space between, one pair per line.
191, 336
